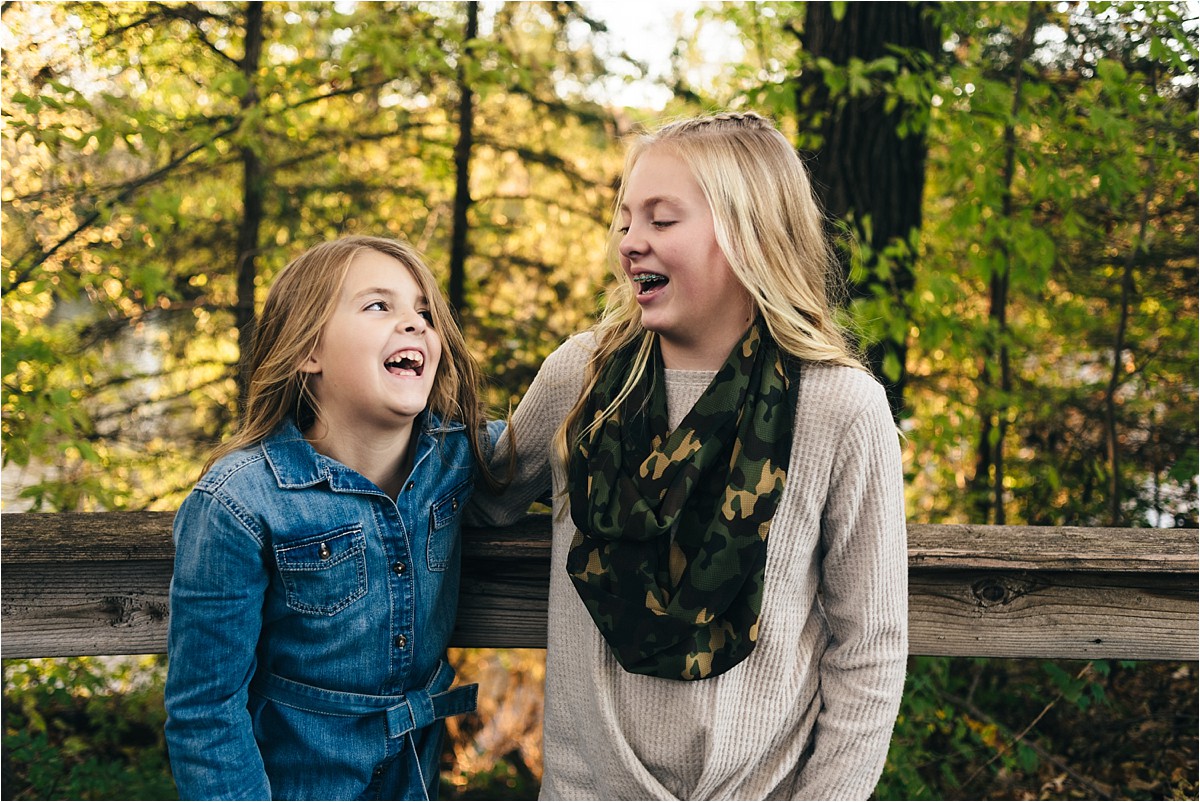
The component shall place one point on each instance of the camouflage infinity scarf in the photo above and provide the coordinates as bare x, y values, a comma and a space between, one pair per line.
671, 540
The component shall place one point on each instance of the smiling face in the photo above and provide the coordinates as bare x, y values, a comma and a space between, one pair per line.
683, 283
374, 366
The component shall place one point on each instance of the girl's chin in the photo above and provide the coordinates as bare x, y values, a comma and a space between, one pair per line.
655, 326
666, 333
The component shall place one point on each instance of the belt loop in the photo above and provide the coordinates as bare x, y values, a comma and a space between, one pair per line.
422, 708
416, 711
399, 720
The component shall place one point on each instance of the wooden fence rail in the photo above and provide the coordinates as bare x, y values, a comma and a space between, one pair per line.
96, 583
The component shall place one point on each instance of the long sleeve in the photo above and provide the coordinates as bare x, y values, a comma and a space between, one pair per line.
534, 423
217, 593
864, 585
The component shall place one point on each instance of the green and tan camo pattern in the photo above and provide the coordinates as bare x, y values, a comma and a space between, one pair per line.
671, 527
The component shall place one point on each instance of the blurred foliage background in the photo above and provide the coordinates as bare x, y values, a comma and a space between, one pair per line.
1013, 187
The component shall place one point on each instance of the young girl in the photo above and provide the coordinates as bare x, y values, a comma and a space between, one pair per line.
317, 559
728, 590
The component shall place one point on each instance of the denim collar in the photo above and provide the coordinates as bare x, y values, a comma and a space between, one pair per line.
297, 464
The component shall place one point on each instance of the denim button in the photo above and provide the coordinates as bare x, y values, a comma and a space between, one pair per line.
401, 641
398, 568
323, 552
410, 485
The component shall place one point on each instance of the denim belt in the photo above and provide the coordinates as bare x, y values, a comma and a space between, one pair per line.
405, 712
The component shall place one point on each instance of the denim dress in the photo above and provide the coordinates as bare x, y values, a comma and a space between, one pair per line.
310, 615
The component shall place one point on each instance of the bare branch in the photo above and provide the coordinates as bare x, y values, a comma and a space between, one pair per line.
194, 16
40, 258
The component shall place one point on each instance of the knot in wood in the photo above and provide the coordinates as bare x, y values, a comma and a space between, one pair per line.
992, 591
119, 609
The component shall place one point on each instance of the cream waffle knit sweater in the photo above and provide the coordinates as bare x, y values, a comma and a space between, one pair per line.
809, 714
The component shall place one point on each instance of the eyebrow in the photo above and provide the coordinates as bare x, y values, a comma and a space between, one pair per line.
421, 300
650, 203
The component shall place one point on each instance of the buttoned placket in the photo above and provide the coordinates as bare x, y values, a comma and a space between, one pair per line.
403, 574
401, 578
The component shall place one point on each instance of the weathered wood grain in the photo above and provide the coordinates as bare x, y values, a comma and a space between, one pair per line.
96, 583
1142, 551
1053, 614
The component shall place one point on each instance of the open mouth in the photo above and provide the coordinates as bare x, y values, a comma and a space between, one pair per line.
408, 362
649, 282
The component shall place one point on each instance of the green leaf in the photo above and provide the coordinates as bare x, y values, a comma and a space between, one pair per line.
891, 367
1027, 759
1186, 468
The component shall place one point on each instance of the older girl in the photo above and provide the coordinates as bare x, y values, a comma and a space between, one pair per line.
728, 591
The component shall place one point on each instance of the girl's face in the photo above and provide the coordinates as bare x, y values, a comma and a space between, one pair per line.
374, 366
686, 290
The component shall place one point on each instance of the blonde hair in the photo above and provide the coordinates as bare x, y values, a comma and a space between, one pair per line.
300, 303
770, 229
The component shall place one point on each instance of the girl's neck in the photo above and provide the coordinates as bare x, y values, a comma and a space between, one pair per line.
692, 359
383, 457
708, 354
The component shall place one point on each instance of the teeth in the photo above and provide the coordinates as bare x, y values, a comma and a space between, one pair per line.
649, 282
410, 359
413, 356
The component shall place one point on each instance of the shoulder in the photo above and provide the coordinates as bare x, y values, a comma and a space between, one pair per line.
568, 363
833, 397
453, 446
230, 491
240, 482
246, 465
846, 386
574, 353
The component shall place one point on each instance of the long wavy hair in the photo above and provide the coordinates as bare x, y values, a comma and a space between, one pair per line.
301, 302
770, 229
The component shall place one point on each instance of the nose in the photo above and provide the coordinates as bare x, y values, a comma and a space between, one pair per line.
412, 323
632, 244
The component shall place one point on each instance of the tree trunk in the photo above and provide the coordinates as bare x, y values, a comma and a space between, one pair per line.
866, 168
994, 413
462, 169
252, 206
1115, 515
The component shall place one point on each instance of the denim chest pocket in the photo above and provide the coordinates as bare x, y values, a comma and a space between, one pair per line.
325, 573
443, 526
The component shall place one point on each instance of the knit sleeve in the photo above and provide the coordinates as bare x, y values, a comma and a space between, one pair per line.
534, 423
864, 587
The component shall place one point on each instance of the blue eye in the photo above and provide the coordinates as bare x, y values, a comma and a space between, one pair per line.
428, 315
379, 306
623, 231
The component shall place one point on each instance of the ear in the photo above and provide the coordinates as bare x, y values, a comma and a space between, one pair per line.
311, 364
